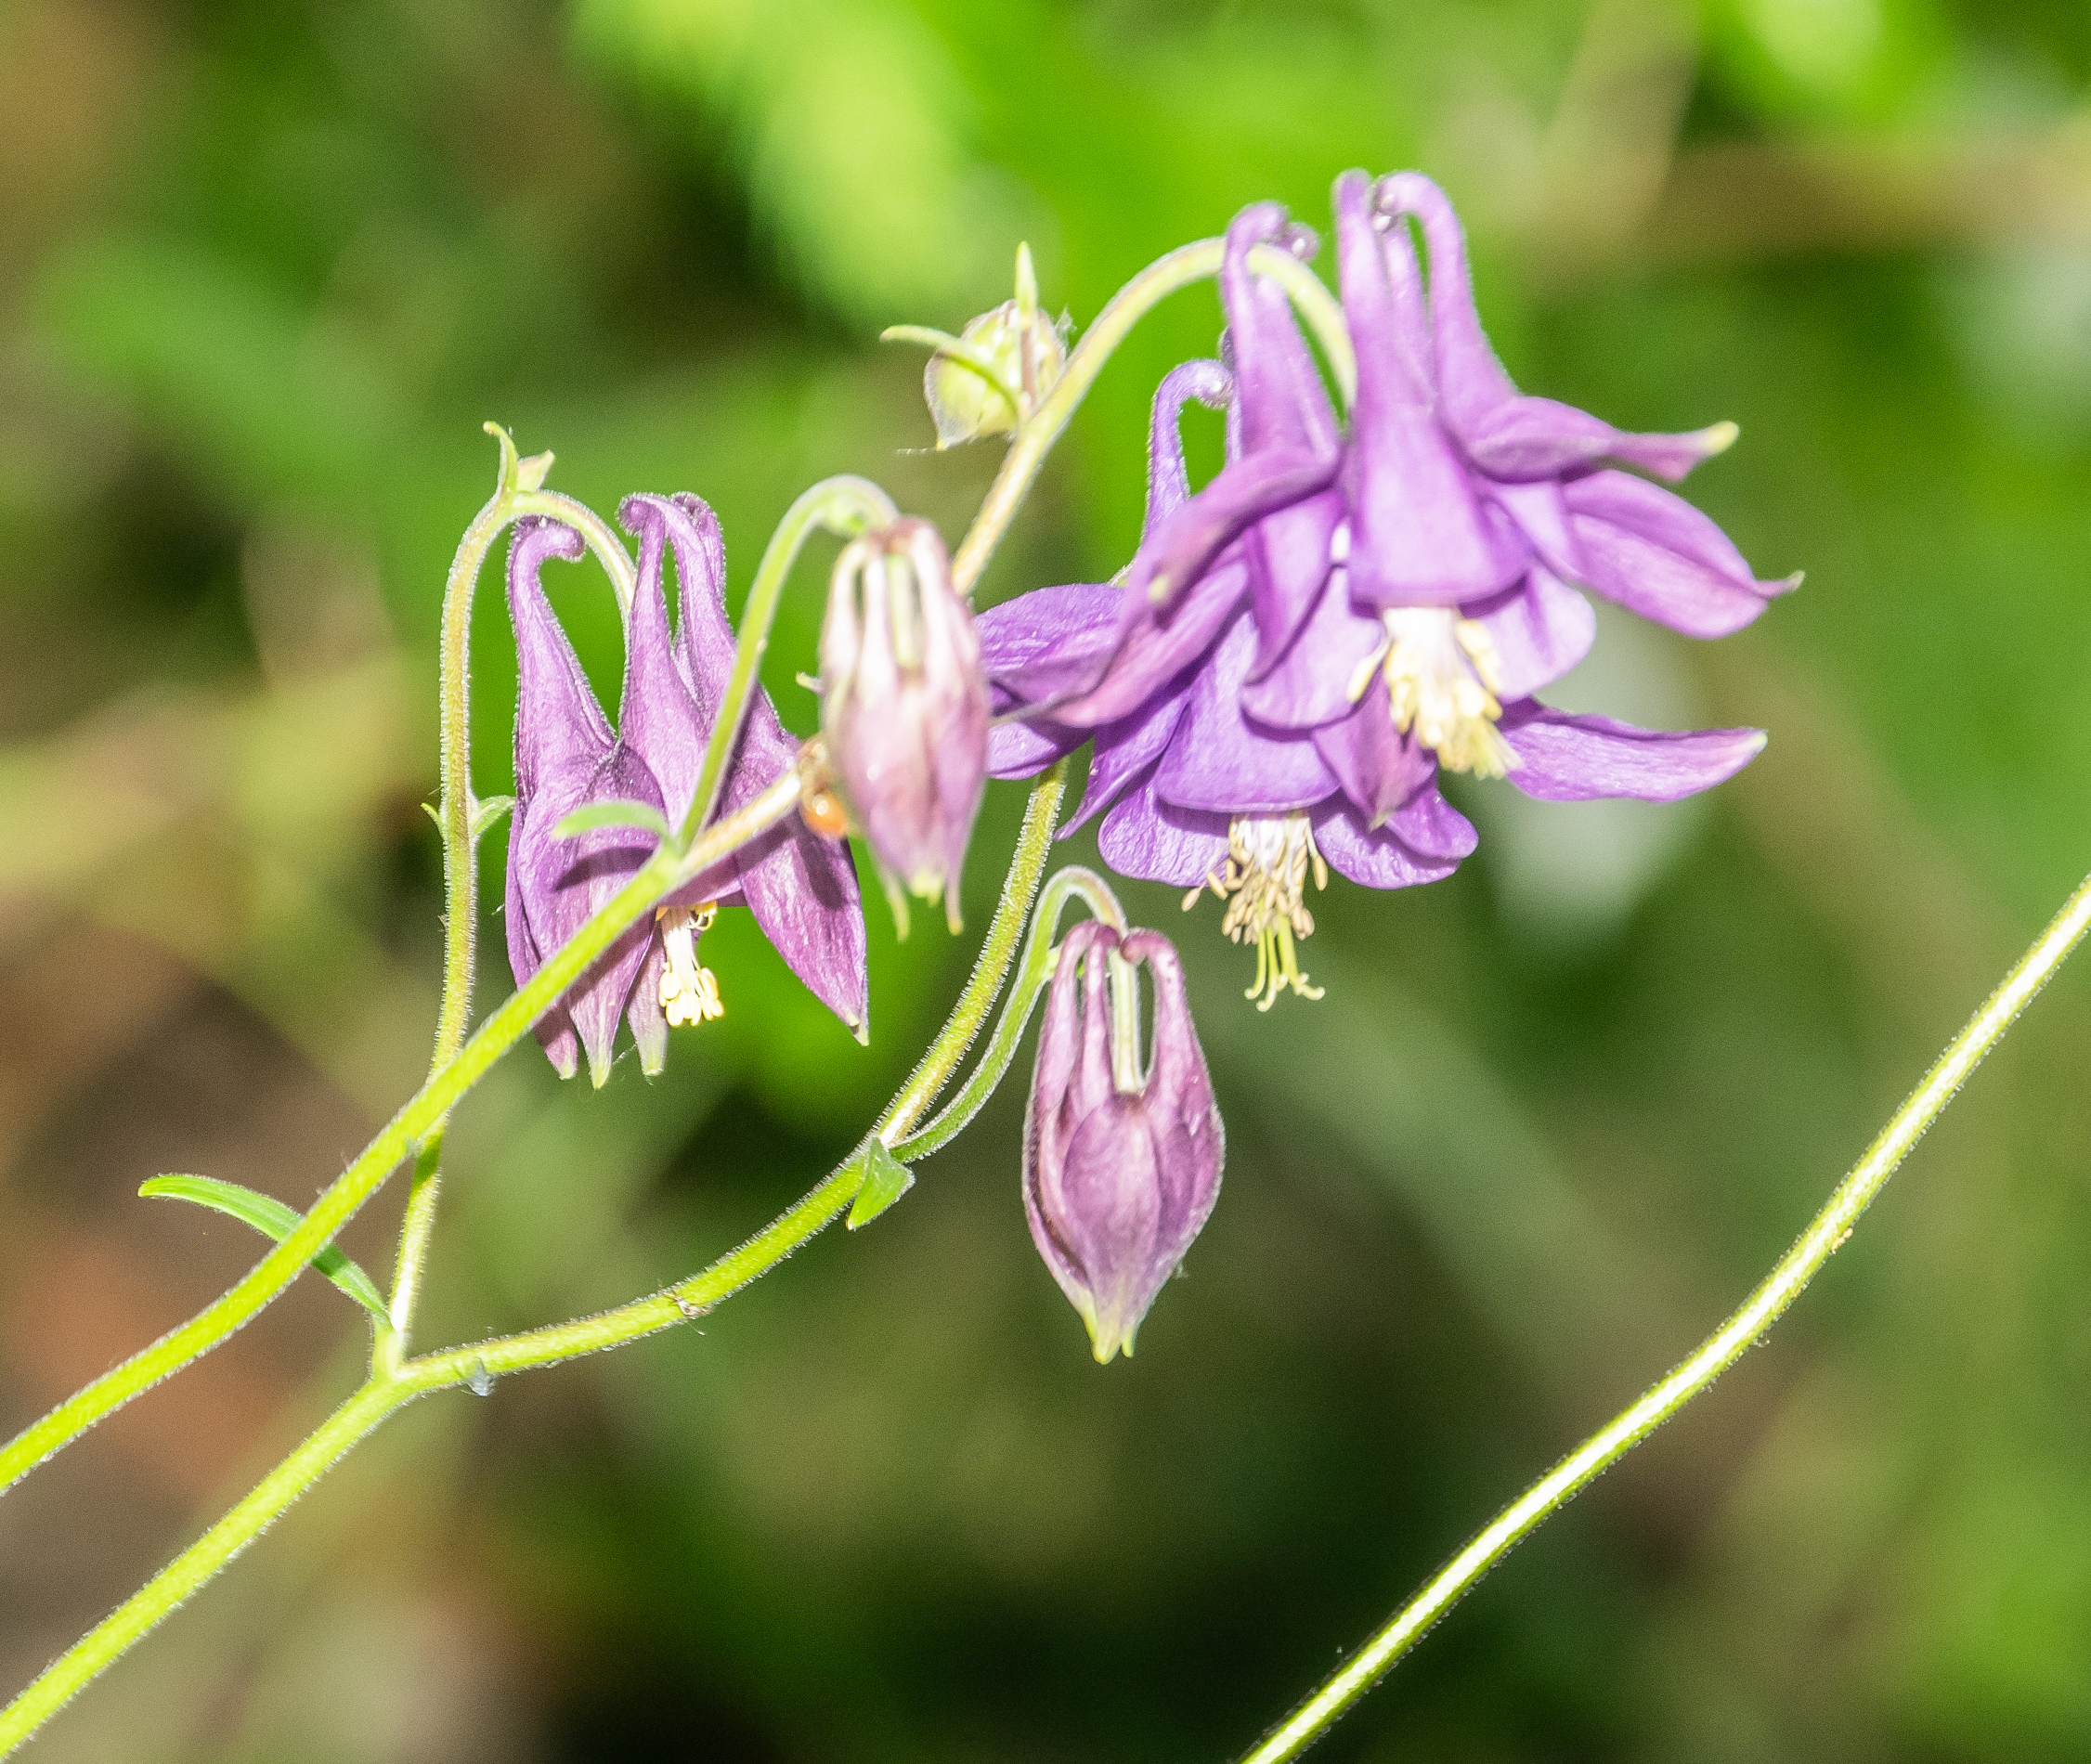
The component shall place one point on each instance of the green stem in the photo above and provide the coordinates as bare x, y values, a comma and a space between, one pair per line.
1032, 972
392, 1386
70, 1673
1132, 303
933, 1072
517, 493
1824, 1238
663, 872
842, 505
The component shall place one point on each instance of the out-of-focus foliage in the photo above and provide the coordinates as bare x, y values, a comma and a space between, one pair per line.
263, 271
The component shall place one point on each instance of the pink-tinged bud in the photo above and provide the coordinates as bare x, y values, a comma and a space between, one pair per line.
1122, 1158
904, 709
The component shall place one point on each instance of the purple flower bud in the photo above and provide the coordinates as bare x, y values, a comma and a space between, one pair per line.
904, 709
1122, 1158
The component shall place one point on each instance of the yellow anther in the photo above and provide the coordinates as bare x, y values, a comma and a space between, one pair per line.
689, 990
1263, 884
1443, 680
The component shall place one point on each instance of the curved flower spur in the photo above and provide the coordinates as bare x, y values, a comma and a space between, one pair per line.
1122, 1154
801, 886
1298, 649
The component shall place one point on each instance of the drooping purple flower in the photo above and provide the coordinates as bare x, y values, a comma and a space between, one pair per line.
1122, 1154
801, 887
1409, 584
1199, 793
566, 757
905, 708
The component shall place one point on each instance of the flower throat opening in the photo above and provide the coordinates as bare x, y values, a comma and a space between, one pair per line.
1263, 884
1443, 681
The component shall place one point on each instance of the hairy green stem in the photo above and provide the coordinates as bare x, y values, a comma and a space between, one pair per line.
518, 492
401, 1137
933, 1072
842, 505
1132, 303
1824, 1236
1032, 972
393, 1385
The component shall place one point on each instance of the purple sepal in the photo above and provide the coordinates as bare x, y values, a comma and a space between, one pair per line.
1657, 555
566, 759
801, 887
1571, 759
1122, 1158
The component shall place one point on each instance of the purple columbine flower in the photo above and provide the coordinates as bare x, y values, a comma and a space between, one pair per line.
1121, 1156
1198, 793
801, 887
1351, 612
905, 708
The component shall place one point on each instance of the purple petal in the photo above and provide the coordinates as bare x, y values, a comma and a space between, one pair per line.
1432, 827
1375, 860
558, 723
1021, 749
1418, 534
1540, 633
1052, 642
803, 889
1145, 838
1283, 402
1216, 762
1310, 685
1123, 751
563, 883
1245, 491
1379, 768
1568, 758
1657, 555
1158, 643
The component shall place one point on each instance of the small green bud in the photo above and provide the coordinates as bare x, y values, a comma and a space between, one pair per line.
992, 376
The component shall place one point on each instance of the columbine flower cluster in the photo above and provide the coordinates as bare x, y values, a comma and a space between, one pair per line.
1272, 689
1297, 650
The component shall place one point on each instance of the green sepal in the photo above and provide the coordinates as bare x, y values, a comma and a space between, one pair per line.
593, 815
886, 1180
274, 1221
487, 813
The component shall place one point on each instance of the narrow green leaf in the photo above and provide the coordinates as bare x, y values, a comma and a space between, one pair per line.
590, 816
274, 1221
886, 1180
487, 813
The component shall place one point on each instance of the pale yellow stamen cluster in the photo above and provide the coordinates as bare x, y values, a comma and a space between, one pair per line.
1443, 681
1263, 884
689, 990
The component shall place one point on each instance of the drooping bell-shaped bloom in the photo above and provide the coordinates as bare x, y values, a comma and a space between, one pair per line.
801, 886
1199, 793
1298, 648
1122, 1153
566, 757
905, 708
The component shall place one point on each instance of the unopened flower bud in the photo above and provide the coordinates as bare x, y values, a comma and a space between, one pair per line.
1122, 1154
904, 709
1025, 351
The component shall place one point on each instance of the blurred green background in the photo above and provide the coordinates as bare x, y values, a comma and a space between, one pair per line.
265, 268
